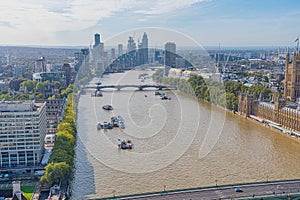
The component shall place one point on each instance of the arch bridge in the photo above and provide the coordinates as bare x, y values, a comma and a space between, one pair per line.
139, 87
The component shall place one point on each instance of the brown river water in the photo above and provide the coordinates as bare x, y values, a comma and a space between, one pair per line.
178, 143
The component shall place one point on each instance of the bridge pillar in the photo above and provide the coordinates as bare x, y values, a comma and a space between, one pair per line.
140, 88
159, 88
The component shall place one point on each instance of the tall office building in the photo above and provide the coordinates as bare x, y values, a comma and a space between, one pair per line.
23, 126
170, 56
143, 50
120, 49
80, 57
131, 46
40, 65
97, 39
98, 48
113, 53
67, 69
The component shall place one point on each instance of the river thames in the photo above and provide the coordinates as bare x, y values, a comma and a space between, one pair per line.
178, 143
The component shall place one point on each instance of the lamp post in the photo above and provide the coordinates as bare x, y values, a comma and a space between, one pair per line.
165, 188
216, 183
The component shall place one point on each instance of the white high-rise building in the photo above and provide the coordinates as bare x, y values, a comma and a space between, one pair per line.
23, 126
120, 49
170, 56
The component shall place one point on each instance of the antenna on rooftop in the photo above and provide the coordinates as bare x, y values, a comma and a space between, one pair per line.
297, 44
217, 58
228, 56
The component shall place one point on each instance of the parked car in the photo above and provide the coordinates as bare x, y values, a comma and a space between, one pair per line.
238, 190
39, 173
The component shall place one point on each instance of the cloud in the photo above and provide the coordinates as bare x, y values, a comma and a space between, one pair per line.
5, 23
39, 20
60, 15
161, 7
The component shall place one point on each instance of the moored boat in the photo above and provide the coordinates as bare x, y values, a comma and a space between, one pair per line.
99, 126
114, 121
121, 122
107, 125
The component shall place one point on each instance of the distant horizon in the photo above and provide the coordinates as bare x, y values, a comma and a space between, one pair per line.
242, 47
232, 23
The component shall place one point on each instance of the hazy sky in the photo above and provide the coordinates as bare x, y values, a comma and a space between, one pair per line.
209, 22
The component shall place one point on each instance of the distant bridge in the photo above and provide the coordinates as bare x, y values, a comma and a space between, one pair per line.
139, 87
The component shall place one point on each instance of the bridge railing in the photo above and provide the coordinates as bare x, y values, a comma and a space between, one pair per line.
140, 87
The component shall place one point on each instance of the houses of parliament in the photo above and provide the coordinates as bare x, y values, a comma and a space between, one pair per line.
281, 113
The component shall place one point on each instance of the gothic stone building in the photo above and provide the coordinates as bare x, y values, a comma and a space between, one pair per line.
276, 111
282, 111
292, 77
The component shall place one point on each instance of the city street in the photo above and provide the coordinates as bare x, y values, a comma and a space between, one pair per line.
228, 192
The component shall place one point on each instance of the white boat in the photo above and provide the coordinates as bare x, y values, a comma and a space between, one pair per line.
121, 122
123, 144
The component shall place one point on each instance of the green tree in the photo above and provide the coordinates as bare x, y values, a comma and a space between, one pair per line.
41, 86
29, 85
232, 101
6, 97
69, 89
39, 96
158, 75
15, 84
23, 97
66, 126
57, 172
57, 85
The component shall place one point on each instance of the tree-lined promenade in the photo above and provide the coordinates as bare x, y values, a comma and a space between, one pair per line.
59, 169
224, 94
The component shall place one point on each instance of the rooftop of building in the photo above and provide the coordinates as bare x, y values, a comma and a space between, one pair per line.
288, 105
20, 106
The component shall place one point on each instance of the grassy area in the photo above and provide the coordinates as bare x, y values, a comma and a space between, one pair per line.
28, 191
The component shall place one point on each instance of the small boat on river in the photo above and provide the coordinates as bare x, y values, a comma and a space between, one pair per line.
114, 121
159, 93
163, 97
121, 122
105, 125
123, 144
99, 126
107, 107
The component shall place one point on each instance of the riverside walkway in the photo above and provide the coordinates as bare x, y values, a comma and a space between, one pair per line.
263, 190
